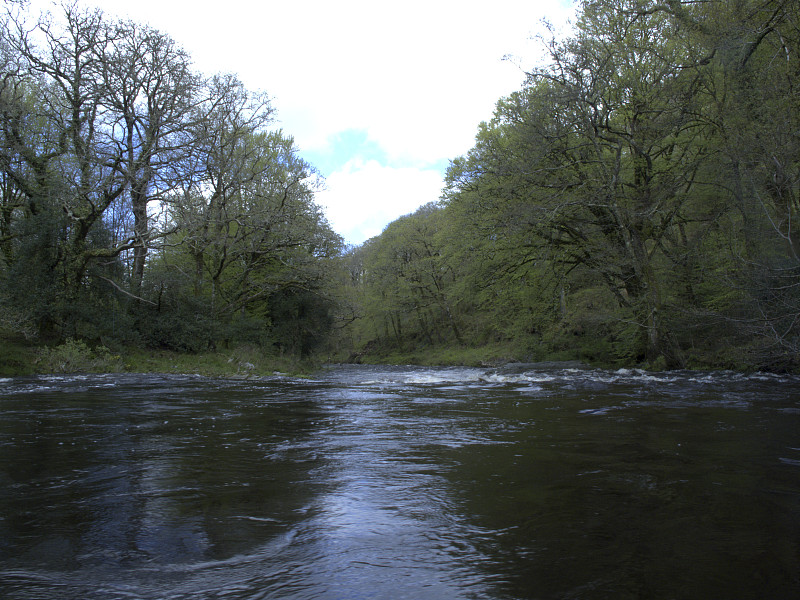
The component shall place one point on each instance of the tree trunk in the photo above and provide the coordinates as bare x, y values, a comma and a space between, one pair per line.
140, 232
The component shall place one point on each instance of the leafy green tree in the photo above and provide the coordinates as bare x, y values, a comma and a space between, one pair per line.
758, 118
82, 151
247, 223
408, 284
635, 202
593, 162
248, 216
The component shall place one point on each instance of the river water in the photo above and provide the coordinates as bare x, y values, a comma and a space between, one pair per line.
401, 483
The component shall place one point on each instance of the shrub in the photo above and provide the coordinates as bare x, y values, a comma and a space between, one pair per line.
75, 356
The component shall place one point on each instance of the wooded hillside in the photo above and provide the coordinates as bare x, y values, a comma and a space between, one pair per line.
636, 202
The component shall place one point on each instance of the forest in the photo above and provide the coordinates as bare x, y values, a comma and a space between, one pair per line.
635, 203
146, 205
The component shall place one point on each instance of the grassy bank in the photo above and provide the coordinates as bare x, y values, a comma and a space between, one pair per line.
21, 357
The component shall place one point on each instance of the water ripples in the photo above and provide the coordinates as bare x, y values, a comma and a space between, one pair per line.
398, 482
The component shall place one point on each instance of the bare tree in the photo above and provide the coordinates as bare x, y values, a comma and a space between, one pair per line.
62, 67
151, 90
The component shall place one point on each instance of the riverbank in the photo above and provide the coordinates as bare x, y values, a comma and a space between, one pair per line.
742, 359
487, 355
20, 357
443, 356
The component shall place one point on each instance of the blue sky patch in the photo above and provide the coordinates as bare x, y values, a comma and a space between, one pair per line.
351, 144
356, 145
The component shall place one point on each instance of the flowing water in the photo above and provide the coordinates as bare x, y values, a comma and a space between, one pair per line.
401, 483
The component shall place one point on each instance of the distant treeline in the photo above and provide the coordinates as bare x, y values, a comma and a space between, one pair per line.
636, 202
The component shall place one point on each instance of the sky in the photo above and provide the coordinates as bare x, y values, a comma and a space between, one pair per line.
379, 95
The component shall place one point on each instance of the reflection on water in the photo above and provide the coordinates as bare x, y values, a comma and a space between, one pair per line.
380, 482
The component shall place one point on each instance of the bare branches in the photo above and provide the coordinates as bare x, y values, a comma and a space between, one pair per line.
126, 292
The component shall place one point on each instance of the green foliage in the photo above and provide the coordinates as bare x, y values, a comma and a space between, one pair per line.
75, 356
144, 204
180, 325
633, 203
242, 361
300, 321
17, 354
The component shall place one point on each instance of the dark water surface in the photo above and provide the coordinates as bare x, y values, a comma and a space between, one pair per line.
401, 483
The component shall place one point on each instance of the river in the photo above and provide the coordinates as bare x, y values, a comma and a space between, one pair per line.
401, 483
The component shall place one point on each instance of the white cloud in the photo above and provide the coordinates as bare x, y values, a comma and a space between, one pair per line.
363, 197
417, 77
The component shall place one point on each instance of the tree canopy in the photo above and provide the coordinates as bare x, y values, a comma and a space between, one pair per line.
634, 203
145, 203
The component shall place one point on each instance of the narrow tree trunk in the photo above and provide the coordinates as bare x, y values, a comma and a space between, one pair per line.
140, 231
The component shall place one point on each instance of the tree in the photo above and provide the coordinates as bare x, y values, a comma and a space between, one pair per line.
152, 93
250, 206
407, 284
595, 160
117, 161
59, 151
759, 131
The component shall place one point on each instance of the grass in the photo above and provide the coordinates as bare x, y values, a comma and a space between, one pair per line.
19, 357
244, 361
